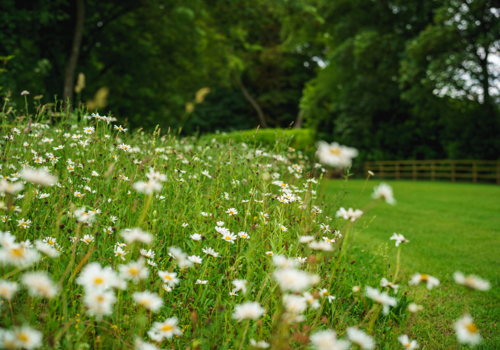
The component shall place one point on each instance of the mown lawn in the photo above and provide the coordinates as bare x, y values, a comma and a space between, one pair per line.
451, 226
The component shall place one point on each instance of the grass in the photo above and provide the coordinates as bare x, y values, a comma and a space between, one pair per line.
451, 227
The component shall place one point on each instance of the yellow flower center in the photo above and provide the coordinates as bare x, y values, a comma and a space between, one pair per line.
228, 238
17, 252
100, 298
167, 277
335, 151
424, 278
471, 327
133, 271
98, 280
51, 242
22, 337
166, 328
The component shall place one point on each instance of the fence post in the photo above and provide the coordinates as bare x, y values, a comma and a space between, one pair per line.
453, 176
433, 170
474, 171
381, 167
498, 172
414, 170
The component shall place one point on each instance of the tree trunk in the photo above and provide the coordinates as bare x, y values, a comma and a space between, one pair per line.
69, 74
300, 119
263, 123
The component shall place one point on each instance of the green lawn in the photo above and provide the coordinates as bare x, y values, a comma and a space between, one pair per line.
451, 227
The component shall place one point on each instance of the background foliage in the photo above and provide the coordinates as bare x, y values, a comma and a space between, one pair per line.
396, 79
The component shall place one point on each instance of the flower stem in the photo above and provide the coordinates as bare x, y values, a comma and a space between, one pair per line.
244, 335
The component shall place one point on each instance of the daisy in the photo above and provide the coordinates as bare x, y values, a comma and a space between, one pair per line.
39, 284
156, 176
384, 191
134, 270
137, 235
99, 302
27, 338
269, 253
431, 281
200, 282
399, 238
292, 280
195, 259
283, 262
259, 344
407, 344
88, 239
248, 310
350, 214
120, 128
7, 187
39, 177
233, 294
94, 277
327, 340
167, 288
147, 253
386, 284
169, 278
78, 194
306, 239
335, 155
313, 303
328, 240
229, 237
467, 331
8, 289
231, 211
301, 260
120, 252
18, 255
222, 230
46, 249
108, 230
471, 281
414, 308
150, 301
147, 187
25, 224
7, 239
283, 228
324, 294
382, 298
180, 256
322, 246
244, 235
89, 130
295, 304
360, 338
195, 237
240, 285
210, 251
167, 329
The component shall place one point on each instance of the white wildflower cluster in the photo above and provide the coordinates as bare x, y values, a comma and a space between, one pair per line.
123, 241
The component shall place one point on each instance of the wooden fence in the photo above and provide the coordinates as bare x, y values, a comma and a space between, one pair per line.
451, 170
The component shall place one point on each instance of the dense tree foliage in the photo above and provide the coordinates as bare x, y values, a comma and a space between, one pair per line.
396, 79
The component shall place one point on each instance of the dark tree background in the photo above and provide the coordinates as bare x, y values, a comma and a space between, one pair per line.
397, 79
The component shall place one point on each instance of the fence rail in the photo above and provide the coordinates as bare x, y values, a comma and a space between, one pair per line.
452, 170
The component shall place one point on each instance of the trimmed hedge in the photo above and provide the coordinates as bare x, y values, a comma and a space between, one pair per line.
300, 139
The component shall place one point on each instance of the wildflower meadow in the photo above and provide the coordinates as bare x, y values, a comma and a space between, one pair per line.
114, 239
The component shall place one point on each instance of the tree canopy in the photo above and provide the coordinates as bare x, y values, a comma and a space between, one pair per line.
396, 79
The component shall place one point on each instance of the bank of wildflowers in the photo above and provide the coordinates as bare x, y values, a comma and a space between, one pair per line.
117, 240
